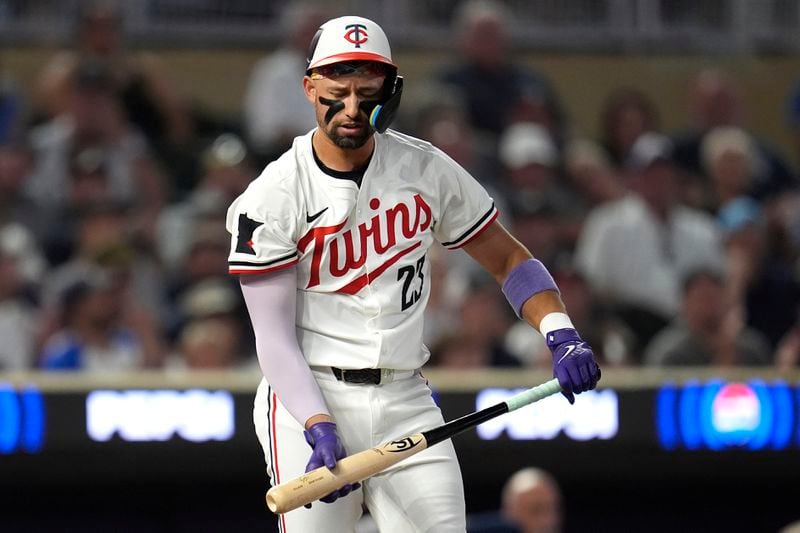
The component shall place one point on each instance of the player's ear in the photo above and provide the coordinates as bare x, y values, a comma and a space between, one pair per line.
309, 89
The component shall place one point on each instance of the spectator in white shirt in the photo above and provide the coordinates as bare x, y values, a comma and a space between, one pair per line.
635, 251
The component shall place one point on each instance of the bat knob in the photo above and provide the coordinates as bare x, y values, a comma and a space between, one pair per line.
271, 501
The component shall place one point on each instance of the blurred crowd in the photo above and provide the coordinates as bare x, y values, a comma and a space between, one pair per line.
669, 247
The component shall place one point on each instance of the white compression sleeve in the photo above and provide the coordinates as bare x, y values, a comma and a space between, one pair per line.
272, 302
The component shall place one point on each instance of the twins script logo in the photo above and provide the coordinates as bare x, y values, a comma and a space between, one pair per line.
356, 34
376, 236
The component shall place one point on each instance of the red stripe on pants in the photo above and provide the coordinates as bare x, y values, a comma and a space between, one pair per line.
275, 450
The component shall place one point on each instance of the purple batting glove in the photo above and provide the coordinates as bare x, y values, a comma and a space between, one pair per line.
573, 362
328, 449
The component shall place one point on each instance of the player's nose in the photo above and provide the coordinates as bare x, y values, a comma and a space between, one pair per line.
351, 106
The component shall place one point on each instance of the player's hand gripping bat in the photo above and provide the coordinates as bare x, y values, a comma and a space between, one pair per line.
313, 485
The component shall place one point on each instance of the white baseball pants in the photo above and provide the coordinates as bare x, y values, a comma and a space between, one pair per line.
423, 493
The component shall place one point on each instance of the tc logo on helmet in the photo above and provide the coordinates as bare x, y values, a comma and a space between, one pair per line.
356, 34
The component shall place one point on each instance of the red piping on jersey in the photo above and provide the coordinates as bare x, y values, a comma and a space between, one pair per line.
477, 233
262, 270
365, 279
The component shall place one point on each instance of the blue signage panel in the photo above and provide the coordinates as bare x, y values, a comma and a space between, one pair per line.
719, 415
22, 419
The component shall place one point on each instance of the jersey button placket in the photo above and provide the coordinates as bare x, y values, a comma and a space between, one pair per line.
367, 294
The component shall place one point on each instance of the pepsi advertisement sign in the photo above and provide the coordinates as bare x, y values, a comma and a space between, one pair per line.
595, 415
194, 415
719, 415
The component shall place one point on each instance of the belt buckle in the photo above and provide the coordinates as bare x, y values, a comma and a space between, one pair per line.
372, 378
362, 376
359, 377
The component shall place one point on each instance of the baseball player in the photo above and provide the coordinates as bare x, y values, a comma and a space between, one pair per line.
330, 244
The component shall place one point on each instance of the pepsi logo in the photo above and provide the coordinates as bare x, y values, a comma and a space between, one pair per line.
735, 413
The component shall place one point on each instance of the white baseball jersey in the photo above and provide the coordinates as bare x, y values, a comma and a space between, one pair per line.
360, 251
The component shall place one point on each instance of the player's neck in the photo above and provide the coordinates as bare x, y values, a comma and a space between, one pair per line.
343, 160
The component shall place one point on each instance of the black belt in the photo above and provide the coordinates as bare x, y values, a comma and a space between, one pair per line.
360, 376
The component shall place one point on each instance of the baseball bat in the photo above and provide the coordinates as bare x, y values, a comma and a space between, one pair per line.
313, 485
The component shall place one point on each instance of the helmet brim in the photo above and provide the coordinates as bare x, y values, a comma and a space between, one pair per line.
350, 56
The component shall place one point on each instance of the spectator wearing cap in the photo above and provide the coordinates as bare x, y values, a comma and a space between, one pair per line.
211, 335
537, 192
227, 170
708, 331
635, 251
530, 156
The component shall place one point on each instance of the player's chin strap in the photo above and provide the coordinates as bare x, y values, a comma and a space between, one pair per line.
382, 112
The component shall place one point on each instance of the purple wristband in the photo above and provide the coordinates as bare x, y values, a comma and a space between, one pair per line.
526, 279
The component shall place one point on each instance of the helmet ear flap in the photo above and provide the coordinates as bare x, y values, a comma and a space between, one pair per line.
382, 114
